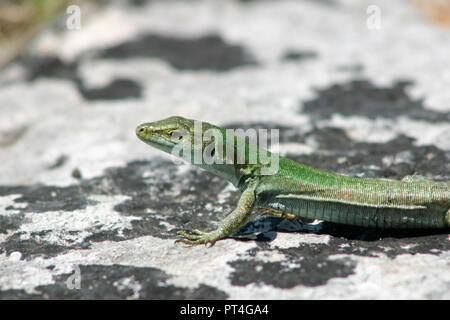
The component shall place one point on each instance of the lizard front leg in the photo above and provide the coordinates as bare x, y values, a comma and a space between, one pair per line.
230, 224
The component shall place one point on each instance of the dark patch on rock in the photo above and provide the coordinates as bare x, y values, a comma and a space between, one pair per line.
286, 133
48, 67
306, 265
152, 200
40, 198
99, 235
156, 202
11, 136
338, 153
372, 242
148, 226
32, 246
296, 55
362, 98
11, 222
14, 294
309, 264
207, 52
59, 162
117, 282
53, 67
138, 3
76, 173
117, 89
357, 68
332, 3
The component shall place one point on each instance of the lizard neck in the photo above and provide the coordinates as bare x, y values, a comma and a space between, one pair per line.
225, 171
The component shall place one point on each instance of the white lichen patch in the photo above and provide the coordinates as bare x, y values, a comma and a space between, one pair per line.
380, 130
407, 276
268, 256
373, 278
20, 274
285, 240
8, 201
186, 266
71, 227
424, 275
294, 148
129, 283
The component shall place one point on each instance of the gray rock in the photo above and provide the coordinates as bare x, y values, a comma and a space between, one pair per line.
87, 211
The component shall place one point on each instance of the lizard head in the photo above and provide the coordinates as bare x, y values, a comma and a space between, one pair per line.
203, 144
177, 133
193, 141
165, 134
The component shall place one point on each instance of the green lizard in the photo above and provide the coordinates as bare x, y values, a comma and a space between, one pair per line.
297, 190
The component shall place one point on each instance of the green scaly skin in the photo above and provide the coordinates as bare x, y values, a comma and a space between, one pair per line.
297, 190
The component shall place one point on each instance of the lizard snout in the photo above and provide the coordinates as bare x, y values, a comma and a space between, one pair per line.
141, 130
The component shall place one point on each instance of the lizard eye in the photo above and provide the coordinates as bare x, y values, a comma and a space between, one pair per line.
141, 131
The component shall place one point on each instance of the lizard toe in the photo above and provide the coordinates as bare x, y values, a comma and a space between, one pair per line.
189, 235
196, 237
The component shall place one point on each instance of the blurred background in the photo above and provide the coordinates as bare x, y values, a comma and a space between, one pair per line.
21, 19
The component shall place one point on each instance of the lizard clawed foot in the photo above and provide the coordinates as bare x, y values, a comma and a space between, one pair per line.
197, 237
228, 225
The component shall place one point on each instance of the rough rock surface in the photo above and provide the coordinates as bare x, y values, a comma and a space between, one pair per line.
82, 199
